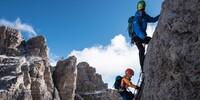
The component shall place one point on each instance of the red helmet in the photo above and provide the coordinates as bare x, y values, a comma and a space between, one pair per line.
129, 71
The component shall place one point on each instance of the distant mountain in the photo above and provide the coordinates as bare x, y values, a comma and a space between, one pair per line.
26, 74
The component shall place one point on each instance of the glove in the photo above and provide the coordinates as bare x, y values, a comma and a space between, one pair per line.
137, 87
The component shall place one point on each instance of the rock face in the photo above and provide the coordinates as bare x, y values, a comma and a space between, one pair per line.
88, 80
24, 67
36, 47
172, 65
9, 40
65, 78
25, 73
90, 85
80, 82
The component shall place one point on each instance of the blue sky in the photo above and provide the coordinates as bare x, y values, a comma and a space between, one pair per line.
74, 24
89, 29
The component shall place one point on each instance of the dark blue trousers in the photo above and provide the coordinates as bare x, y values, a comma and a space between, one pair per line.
141, 48
127, 95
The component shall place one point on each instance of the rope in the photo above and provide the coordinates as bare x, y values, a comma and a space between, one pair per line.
138, 82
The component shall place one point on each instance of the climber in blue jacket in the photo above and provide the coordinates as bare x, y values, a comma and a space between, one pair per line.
139, 27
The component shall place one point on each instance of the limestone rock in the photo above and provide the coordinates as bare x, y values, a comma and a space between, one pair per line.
24, 68
23, 78
65, 78
88, 80
90, 85
9, 40
172, 65
36, 46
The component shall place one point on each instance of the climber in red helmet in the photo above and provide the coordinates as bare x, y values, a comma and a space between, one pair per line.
125, 83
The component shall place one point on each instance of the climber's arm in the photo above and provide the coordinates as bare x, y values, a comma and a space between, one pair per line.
129, 84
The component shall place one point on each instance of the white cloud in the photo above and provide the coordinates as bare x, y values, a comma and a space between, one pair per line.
23, 27
114, 58
151, 28
52, 60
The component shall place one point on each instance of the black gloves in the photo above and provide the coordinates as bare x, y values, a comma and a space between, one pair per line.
137, 87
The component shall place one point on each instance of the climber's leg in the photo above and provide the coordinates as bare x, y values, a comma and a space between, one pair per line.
141, 49
130, 96
147, 39
141, 54
127, 95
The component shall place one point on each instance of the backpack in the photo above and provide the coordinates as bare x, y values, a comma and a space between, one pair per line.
130, 27
131, 32
117, 84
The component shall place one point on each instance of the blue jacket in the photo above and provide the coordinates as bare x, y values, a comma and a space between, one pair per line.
140, 23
